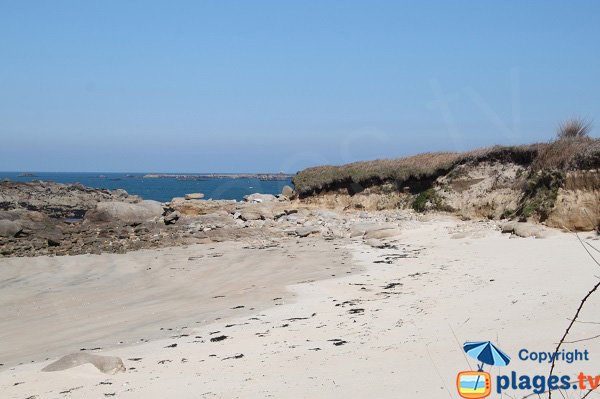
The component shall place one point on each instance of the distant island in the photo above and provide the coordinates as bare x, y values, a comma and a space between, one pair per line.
259, 176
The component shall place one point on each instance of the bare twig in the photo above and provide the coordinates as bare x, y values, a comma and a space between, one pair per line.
586, 250
569, 329
585, 322
581, 340
595, 249
586, 395
585, 298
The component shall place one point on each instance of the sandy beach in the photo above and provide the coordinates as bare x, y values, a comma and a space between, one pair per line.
276, 199
347, 318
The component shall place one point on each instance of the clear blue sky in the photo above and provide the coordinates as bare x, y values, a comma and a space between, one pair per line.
198, 86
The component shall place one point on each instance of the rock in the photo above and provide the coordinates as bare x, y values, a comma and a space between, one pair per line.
194, 196
260, 198
326, 214
247, 215
53, 236
105, 364
375, 243
359, 229
385, 232
115, 211
172, 217
120, 193
214, 220
55, 199
8, 228
288, 192
306, 231
524, 229
201, 207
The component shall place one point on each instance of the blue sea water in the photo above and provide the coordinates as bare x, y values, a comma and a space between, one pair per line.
162, 189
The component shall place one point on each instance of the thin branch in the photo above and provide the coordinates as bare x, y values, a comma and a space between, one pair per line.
569, 329
581, 340
586, 395
595, 249
587, 250
576, 314
586, 322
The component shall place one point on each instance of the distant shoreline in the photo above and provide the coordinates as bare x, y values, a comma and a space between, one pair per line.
259, 176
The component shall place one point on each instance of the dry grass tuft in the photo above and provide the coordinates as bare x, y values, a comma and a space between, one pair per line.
574, 128
578, 152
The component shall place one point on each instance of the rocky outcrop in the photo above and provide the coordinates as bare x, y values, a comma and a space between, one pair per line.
555, 183
56, 200
123, 212
488, 190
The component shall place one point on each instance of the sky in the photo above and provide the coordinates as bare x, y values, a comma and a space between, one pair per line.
269, 86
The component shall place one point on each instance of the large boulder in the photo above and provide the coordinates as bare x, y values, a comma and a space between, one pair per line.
8, 228
115, 211
524, 229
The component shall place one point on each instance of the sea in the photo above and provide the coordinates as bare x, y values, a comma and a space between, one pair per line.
160, 189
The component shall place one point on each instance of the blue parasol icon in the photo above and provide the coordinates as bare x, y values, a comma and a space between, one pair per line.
487, 353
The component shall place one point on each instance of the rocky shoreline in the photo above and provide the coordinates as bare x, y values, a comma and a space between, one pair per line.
43, 218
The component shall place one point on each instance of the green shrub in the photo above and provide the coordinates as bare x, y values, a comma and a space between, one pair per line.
428, 199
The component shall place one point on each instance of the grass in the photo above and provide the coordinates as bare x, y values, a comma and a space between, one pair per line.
570, 153
429, 199
562, 154
374, 172
541, 193
575, 127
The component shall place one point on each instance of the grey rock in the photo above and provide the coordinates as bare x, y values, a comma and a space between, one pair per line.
288, 192
247, 215
523, 229
120, 193
194, 196
115, 211
306, 231
385, 232
172, 217
8, 228
260, 198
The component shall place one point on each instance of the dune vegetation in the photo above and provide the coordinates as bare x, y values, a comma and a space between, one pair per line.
572, 149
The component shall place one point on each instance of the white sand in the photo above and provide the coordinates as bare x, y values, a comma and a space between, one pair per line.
484, 286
